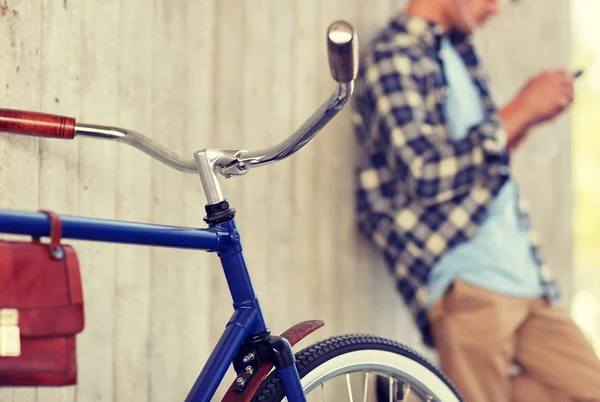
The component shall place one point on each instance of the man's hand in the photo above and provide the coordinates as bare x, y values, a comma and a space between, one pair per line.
543, 98
546, 95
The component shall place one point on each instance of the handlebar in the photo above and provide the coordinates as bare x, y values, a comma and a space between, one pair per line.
342, 46
140, 142
342, 50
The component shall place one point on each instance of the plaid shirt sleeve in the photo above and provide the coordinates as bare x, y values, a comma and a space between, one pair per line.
436, 168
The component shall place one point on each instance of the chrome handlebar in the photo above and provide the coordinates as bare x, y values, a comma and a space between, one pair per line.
232, 163
342, 46
140, 142
236, 163
305, 133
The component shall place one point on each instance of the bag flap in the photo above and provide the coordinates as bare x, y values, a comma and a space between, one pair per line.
46, 292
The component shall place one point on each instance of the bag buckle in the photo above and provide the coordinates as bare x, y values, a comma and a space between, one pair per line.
10, 334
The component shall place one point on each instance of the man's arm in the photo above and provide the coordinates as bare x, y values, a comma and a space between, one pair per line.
516, 123
542, 99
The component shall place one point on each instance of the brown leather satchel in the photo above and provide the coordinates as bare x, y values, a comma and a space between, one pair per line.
41, 311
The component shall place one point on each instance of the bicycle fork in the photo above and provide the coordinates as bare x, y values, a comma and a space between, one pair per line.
291, 384
247, 357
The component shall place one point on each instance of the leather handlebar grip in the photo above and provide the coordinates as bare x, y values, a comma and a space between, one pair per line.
36, 124
342, 50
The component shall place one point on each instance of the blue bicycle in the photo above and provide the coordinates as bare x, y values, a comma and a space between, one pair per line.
266, 367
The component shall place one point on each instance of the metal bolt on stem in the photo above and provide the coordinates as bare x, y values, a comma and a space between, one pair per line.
249, 357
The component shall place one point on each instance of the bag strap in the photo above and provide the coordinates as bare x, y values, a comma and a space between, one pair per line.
55, 235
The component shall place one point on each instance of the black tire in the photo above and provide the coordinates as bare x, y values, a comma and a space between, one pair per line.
313, 356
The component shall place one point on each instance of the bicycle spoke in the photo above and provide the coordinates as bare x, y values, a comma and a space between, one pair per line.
323, 392
366, 393
405, 391
349, 388
391, 389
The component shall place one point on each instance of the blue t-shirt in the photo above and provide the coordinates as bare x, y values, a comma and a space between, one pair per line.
499, 257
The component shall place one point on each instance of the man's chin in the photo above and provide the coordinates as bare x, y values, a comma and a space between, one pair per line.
467, 30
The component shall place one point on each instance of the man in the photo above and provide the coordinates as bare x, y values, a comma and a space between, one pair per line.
435, 194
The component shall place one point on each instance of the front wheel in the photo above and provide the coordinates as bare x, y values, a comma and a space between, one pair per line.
345, 368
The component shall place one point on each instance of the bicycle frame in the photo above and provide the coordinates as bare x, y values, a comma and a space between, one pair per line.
224, 239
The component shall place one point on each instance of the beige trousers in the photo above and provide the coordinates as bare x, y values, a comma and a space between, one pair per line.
479, 335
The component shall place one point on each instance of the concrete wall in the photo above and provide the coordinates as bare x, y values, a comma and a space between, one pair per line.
235, 74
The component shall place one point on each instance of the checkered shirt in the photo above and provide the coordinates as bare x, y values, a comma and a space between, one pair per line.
419, 192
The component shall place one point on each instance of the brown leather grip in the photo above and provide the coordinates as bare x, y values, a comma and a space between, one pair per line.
342, 49
36, 124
